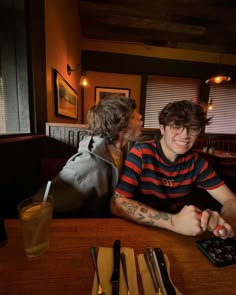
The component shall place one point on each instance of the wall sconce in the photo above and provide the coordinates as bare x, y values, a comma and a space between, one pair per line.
84, 81
219, 78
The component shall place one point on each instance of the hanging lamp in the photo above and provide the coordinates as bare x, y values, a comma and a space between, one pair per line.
220, 77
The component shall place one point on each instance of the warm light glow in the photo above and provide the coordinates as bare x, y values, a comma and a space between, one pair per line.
218, 79
210, 107
84, 81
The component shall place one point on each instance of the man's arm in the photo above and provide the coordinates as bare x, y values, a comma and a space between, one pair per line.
228, 200
228, 212
185, 222
138, 212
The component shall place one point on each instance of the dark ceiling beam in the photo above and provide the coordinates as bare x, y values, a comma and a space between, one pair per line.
141, 65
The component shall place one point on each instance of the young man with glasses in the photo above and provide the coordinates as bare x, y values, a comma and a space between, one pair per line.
158, 178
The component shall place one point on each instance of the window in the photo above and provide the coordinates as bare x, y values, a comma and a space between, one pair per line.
162, 90
224, 109
14, 98
2, 107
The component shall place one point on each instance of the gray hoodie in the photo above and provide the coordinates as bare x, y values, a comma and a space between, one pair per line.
86, 183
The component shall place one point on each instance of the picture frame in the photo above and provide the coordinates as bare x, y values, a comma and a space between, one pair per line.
101, 92
66, 98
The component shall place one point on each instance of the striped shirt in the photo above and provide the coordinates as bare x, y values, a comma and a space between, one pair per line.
149, 177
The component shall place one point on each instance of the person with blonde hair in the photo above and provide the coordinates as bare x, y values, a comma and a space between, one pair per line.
85, 185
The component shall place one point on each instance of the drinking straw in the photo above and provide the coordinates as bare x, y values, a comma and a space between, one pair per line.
37, 232
46, 193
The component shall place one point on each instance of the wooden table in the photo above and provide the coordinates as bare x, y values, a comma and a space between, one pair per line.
66, 268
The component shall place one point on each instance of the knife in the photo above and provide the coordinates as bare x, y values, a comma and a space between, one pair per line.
169, 288
115, 279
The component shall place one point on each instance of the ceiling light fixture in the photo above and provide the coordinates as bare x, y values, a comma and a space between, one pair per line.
219, 78
84, 81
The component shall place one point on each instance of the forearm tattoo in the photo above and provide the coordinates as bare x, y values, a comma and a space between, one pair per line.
130, 208
140, 212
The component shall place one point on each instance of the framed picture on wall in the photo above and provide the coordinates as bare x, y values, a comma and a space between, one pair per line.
104, 92
66, 98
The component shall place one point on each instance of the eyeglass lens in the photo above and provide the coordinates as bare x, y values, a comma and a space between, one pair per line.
192, 130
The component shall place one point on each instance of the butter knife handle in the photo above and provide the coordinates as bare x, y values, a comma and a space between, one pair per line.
170, 290
116, 259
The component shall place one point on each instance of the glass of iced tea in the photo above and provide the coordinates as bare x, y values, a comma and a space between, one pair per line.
36, 221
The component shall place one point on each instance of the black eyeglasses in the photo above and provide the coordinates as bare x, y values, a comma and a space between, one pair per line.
192, 130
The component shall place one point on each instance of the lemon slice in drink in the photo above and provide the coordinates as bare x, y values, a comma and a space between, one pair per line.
30, 212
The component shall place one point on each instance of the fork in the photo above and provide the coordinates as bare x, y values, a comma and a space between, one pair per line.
94, 258
123, 262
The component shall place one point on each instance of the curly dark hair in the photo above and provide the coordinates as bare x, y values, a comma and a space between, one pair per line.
110, 116
183, 112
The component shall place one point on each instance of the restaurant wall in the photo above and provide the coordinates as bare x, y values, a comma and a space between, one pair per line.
63, 46
113, 80
104, 57
142, 66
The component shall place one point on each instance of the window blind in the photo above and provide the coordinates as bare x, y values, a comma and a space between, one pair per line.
162, 90
2, 107
224, 109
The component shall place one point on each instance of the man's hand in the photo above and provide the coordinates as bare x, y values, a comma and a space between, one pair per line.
187, 221
212, 221
228, 200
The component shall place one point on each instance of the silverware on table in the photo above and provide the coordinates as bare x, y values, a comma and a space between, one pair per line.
115, 279
158, 270
94, 258
170, 289
123, 262
148, 255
